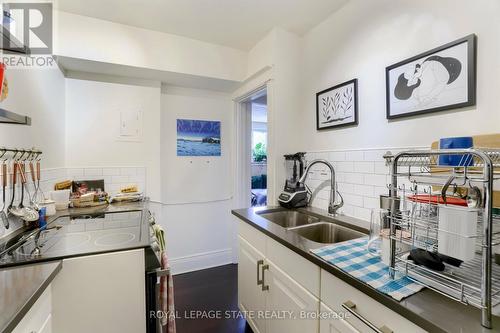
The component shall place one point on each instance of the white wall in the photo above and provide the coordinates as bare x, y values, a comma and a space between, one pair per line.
360, 41
98, 40
279, 52
196, 191
364, 37
38, 93
92, 127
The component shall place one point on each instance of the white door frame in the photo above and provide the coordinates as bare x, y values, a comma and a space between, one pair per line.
243, 143
242, 151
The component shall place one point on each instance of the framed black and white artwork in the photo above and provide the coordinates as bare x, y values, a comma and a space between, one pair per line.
337, 106
441, 79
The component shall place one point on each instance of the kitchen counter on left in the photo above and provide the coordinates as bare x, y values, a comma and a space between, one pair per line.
20, 288
87, 231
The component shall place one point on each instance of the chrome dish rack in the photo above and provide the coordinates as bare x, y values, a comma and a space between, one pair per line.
415, 223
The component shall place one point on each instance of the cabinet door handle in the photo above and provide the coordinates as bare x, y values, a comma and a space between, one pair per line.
259, 280
351, 306
264, 287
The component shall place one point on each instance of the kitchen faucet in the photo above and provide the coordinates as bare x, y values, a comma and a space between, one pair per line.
332, 206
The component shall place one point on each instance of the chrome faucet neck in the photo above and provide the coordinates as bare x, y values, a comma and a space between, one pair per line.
332, 206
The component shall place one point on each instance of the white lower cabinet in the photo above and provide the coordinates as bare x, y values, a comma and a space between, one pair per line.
276, 281
272, 300
100, 293
39, 318
292, 306
251, 298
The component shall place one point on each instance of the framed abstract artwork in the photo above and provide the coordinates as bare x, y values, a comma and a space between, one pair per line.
441, 79
337, 106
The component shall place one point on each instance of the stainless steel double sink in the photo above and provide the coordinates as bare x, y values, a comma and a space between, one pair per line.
310, 227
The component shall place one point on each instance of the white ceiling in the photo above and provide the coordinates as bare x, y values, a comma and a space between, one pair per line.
235, 23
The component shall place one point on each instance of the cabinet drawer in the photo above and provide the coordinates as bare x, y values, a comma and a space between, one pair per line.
297, 267
335, 293
252, 236
332, 323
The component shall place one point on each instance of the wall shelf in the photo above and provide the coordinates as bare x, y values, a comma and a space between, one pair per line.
9, 117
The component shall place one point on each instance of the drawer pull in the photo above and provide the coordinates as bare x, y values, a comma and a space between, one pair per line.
259, 280
351, 306
264, 287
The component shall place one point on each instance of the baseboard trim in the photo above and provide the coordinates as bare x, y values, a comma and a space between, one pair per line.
202, 260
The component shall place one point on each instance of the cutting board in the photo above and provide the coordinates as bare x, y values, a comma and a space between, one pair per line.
480, 141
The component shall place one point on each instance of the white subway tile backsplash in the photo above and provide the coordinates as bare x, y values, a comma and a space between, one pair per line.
336, 156
75, 172
361, 177
119, 179
374, 155
128, 171
353, 200
141, 172
380, 190
355, 155
345, 166
111, 171
381, 168
364, 167
92, 172
376, 180
354, 178
371, 202
362, 213
364, 190
346, 188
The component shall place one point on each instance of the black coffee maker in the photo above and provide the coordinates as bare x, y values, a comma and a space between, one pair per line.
294, 194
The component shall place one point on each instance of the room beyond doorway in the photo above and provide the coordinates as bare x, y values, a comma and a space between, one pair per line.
259, 150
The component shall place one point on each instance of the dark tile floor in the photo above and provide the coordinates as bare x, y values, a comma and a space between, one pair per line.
201, 294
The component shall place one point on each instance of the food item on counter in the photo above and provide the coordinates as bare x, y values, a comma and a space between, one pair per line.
64, 185
127, 197
129, 189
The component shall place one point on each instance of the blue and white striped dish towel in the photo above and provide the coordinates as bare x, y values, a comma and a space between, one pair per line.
353, 258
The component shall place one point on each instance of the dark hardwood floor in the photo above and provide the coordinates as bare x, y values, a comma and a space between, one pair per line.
208, 293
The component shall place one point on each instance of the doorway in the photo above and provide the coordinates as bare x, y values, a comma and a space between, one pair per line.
252, 148
259, 150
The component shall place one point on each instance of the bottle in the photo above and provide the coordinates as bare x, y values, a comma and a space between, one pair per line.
42, 219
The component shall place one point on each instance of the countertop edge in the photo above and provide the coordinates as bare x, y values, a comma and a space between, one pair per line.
366, 289
32, 300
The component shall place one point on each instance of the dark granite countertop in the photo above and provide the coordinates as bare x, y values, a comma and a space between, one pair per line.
427, 309
20, 288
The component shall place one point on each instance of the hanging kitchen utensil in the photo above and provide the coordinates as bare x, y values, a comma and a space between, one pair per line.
33, 201
20, 167
29, 214
38, 177
11, 205
3, 215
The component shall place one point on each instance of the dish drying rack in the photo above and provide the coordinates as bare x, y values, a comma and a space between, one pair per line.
415, 224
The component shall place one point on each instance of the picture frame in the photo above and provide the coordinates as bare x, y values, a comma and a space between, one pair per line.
198, 137
337, 106
443, 78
